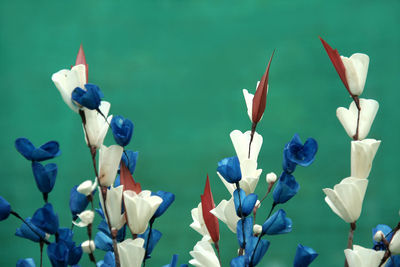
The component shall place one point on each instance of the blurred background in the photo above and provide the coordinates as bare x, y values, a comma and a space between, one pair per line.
177, 68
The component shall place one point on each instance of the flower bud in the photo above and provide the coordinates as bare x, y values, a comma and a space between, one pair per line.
257, 229
271, 177
378, 236
88, 246
87, 187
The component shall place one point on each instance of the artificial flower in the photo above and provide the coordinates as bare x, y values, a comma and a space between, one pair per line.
90, 97
229, 168
25, 231
46, 151
277, 224
254, 255
271, 178
384, 230
77, 202
286, 188
46, 219
114, 206
257, 229
108, 261
139, 209
109, 160
87, 187
29, 262
226, 212
45, 176
394, 245
393, 261
103, 242
295, 153
131, 252
198, 223
244, 205
96, 126
167, 198
359, 256
203, 254
65, 235
5, 209
244, 229
346, 198
58, 254
356, 72
122, 130
304, 256
155, 236
241, 143
349, 117
129, 158
362, 155
88, 246
86, 218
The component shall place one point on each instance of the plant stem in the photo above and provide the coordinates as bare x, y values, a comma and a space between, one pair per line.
357, 102
350, 240
254, 252
242, 219
41, 253
253, 130
148, 241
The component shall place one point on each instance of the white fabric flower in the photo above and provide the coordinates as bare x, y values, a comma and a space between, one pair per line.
87, 187
362, 155
67, 80
109, 160
241, 143
363, 257
346, 198
356, 72
226, 212
114, 206
139, 209
348, 117
394, 245
131, 252
96, 126
198, 223
86, 217
203, 254
271, 177
88, 246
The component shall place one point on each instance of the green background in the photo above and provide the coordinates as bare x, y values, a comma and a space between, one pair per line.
177, 68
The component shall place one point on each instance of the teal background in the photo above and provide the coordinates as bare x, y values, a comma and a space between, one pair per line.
177, 69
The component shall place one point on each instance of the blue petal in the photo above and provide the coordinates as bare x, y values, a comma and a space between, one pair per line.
288, 165
286, 188
46, 219
154, 238
29, 262
248, 230
301, 154
122, 130
45, 176
25, 232
58, 254
131, 160
103, 242
91, 98
248, 204
394, 261
238, 262
167, 198
277, 224
304, 256
173, 262
25, 147
258, 253
46, 151
74, 255
386, 230
238, 199
229, 168
77, 202
5, 209
109, 260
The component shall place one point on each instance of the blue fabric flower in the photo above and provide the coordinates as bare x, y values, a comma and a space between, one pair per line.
5, 209
248, 230
277, 224
122, 130
130, 161
103, 241
45, 176
29, 262
304, 256
89, 98
65, 235
300, 154
77, 202
286, 188
46, 151
167, 198
247, 202
229, 168
109, 260
103, 227
259, 252
238, 262
25, 232
58, 254
394, 261
154, 238
174, 262
46, 219
386, 230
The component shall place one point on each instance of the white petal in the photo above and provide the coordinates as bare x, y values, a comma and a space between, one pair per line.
248, 98
394, 245
85, 188
356, 72
363, 257
226, 212
114, 206
203, 255
131, 252
88, 246
109, 160
96, 126
86, 218
241, 143
362, 155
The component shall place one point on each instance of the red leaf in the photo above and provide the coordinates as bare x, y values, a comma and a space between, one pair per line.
81, 59
207, 204
127, 180
260, 96
337, 63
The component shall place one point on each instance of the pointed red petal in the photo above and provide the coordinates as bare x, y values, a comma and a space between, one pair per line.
127, 180
260, 96
81, 59
337, 62
207, 204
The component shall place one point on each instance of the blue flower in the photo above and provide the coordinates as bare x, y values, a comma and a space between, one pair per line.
277, 224
103, 241
255, 254
46, 151
65, 235
103, 227
386, 230
26, 232
130, 161
239, 261
77, 202
5, 209
174, 262
58, 254
167, 198
46, 219
109, 260
29, 262
248, 230
122, 130
229, 168
246, 202
154, 238
393, 261
89, 98
298, 153
304, 256
286, 188
45, 176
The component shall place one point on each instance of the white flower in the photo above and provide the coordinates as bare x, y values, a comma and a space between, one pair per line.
198, 223
88, 246
131, 252
226, 212
356, 72
86, 217
114, 206
67, 80
87, 187
348, 117
394, 245
346, 198
139, 209
109, 160
257, 229
96, 126
363, 257
203, 254
271, 177
379, 235
241, 143
362, 155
